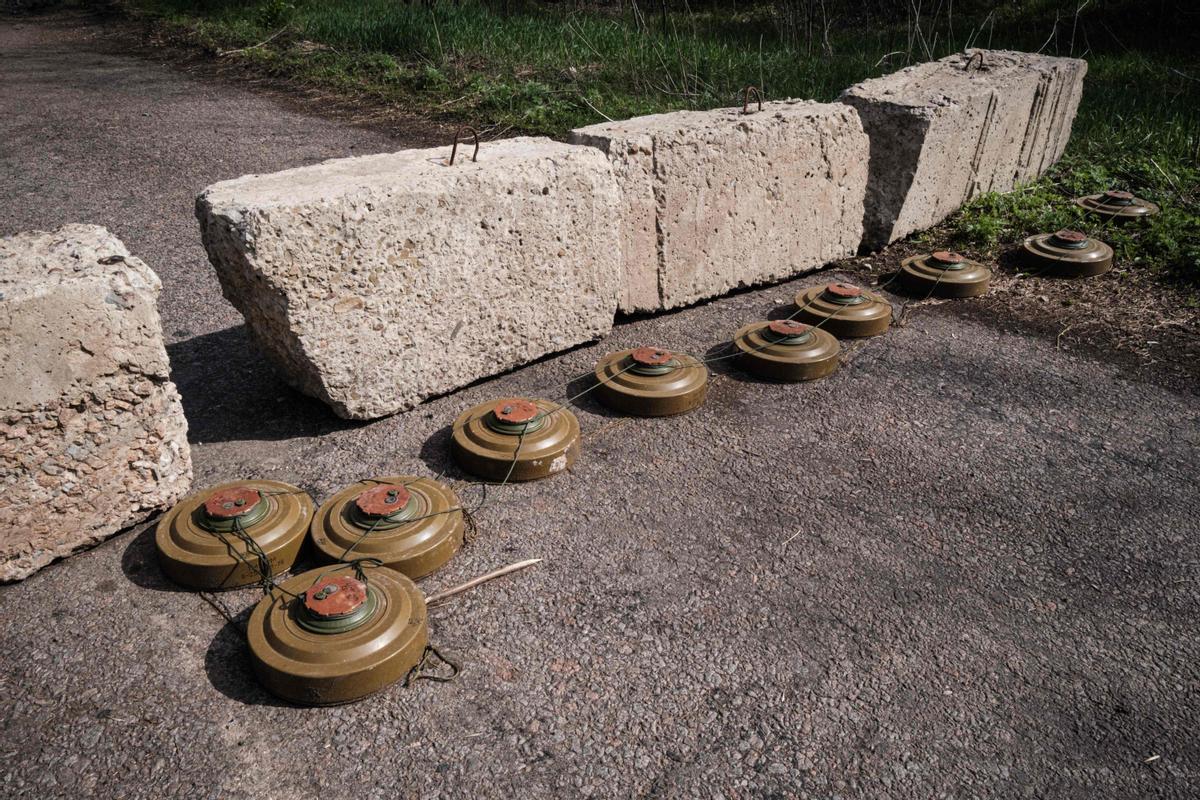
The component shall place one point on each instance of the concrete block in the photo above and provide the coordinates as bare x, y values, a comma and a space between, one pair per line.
375, 282
92, 433
716, 200
946, 131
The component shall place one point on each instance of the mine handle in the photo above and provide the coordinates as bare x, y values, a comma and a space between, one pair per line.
967, 65
458, 135
746, 98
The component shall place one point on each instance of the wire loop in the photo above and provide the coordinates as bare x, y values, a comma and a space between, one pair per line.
417, 673
746, 98
458, 135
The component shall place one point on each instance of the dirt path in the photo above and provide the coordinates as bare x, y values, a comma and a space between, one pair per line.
964, 565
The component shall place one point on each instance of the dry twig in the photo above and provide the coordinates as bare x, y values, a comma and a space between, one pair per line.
267, 40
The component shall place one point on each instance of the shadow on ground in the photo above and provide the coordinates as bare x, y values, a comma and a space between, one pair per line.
139, 562
720, 360
231, 393
435, 453
588, 402
227, 664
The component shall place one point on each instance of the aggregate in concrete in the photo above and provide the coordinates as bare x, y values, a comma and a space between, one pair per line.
942, 132
376, 282
92, 432
965, 565
720, 200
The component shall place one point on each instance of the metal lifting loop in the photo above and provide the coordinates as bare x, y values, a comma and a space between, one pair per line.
458, 135
746, 98
971, 58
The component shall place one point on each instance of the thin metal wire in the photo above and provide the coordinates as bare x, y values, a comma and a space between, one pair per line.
263, 566
358, 541
261, 563
897, 317
417, 673
220, 609
486, 486
699, 362
357, 564
677, 367
466, 511
792, 316
600, 382
264, 563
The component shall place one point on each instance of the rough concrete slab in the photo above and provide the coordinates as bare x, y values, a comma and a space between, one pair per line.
946, 131
376, 282
717, 200
92, 434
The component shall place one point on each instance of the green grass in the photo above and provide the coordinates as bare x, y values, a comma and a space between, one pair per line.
539, 69
1137, 129
545, 68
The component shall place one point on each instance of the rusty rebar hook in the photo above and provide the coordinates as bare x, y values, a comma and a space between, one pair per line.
971, 58
458, 135
746, 98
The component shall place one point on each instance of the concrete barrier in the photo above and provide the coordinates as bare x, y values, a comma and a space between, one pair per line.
949, 130
376, 282
92, 433
716, 200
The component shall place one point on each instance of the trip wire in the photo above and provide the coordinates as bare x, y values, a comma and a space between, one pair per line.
263, 563
466, 511
417, 673
600, 381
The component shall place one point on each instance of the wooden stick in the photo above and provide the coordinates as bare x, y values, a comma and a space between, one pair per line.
471, 584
